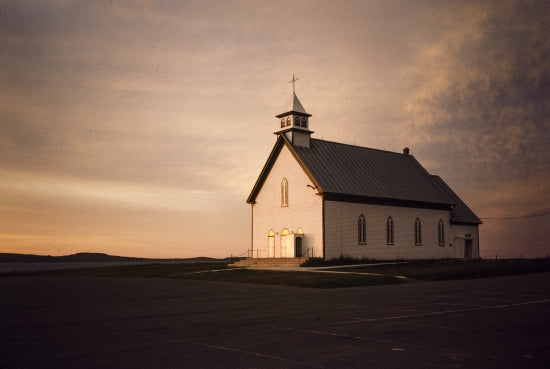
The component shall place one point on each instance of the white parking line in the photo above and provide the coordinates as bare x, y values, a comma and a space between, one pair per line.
441, 312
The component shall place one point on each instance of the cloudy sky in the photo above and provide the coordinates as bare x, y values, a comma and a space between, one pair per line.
139, 128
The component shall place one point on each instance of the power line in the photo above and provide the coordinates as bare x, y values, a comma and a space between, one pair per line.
520, 217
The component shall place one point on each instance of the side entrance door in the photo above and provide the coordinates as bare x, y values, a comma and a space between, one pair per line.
468, 249
298, 247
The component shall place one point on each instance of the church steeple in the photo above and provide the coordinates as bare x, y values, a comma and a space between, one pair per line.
294, 121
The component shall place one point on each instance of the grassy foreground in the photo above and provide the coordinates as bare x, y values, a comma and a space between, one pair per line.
443, 270
221, 272
362, 275
297, 279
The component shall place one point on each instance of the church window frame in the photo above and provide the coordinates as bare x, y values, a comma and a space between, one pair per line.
297, 121
288, 121
389, 231
304, 122
417, 232
282, 122
441, 233
362, 230
284, 193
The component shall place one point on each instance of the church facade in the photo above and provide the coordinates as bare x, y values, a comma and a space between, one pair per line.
325, 199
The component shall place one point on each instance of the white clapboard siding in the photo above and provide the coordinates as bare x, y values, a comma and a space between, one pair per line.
341, 232
304, 209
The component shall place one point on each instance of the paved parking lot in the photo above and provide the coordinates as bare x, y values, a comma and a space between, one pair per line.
154, 323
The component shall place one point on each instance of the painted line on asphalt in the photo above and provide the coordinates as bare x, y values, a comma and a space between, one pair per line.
261, 355
441, 312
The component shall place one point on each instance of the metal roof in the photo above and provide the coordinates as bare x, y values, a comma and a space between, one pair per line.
460, 213
349, 170
359, 174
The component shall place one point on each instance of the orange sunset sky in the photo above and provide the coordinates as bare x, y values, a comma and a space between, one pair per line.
138, 128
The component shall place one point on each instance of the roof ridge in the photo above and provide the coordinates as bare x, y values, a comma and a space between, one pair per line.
359, 147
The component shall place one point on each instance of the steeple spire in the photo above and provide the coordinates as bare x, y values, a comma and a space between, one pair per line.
295, 120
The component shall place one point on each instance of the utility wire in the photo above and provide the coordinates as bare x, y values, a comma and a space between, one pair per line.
521, 217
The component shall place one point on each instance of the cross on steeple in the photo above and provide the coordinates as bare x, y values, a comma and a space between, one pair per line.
293, 80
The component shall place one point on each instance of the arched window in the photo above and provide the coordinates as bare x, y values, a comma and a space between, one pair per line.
304, 122
288, 121
441, 233
284, 192
417, 232
297, 121
282, 122
389, 231
361, 230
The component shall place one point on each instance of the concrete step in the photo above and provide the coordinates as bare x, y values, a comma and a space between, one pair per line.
269, 262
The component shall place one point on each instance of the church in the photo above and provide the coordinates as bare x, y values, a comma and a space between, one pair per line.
316, 198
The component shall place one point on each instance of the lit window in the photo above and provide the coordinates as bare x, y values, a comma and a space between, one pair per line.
284, 192
389, 231
441, 233
361, 230
417, 232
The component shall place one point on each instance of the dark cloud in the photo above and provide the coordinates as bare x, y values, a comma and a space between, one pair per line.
494, 108
110, 106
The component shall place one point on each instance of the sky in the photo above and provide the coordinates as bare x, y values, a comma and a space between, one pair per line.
138, 128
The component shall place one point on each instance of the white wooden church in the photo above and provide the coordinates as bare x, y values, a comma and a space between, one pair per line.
327, 199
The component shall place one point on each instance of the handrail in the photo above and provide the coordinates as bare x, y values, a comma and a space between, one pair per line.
305, 254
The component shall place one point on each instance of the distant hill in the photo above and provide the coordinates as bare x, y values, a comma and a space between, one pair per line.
85, 257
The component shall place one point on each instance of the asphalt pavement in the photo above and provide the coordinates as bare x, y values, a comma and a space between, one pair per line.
57, 322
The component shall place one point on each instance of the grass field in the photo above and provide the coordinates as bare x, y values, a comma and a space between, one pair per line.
338, 276
442, 270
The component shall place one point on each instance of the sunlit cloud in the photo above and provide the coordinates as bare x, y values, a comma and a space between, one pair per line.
167, 108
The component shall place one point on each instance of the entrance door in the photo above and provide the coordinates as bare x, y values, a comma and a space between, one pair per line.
298, 247
271, 246
468, 249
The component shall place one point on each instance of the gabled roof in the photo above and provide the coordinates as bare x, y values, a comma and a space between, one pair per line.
359, 174
460, 213
293, 106
348, 170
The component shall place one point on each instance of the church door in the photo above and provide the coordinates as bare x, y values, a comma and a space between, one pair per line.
298, 247
271, 244
468, 249
285, 235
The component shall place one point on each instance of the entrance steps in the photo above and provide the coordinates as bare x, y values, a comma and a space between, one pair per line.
269, 262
